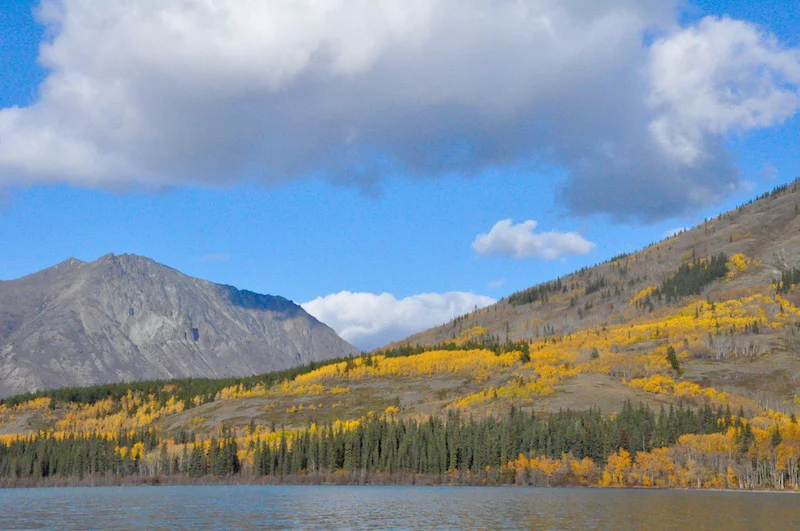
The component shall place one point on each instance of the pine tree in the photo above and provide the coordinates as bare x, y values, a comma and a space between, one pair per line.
672, 358
163, 460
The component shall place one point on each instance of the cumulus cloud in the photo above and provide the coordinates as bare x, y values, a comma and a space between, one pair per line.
155, 94
723, 75
521, 241
368, 320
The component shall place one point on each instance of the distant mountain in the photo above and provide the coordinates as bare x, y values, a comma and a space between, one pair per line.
127, 318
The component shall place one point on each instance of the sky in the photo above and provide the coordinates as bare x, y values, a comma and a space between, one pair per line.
387, 164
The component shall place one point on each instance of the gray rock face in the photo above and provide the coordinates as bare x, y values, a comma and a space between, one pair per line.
127, 318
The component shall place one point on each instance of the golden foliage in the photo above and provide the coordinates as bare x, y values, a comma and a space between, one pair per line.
643, 294
738, 263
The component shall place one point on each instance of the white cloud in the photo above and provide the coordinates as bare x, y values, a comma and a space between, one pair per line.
722, 75
520, 241
496, 284
156, 94
369, 321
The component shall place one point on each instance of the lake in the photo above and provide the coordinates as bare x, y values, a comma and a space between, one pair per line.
487, 508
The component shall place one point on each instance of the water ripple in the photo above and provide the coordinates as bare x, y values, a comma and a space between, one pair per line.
370, 508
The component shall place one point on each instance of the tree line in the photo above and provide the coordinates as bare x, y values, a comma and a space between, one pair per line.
437, 446
536, 293
183, 389
383, 444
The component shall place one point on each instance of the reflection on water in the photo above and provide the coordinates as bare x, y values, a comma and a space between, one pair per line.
392, 507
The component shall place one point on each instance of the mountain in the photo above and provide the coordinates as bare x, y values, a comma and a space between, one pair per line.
674, 366
128, 318
764, 232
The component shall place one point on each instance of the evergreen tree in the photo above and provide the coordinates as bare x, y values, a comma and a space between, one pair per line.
672, 358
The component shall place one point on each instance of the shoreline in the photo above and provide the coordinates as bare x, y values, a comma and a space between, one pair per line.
307, 481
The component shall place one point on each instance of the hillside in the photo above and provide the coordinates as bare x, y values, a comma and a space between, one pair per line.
128, 318
675, 366
765, 231
618, 309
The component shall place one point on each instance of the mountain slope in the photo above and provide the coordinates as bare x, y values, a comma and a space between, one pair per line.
735, 329
126, 318
765, 231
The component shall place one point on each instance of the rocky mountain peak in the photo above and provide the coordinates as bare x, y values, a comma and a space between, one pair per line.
127, 317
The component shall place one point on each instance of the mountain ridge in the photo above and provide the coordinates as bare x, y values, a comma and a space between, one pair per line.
127, 317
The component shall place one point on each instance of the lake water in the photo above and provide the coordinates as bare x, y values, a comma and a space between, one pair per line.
280, 507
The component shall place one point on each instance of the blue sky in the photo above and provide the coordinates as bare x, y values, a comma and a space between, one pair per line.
349, 173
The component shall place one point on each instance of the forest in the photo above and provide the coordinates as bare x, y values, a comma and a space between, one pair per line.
692, 277
678, 447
